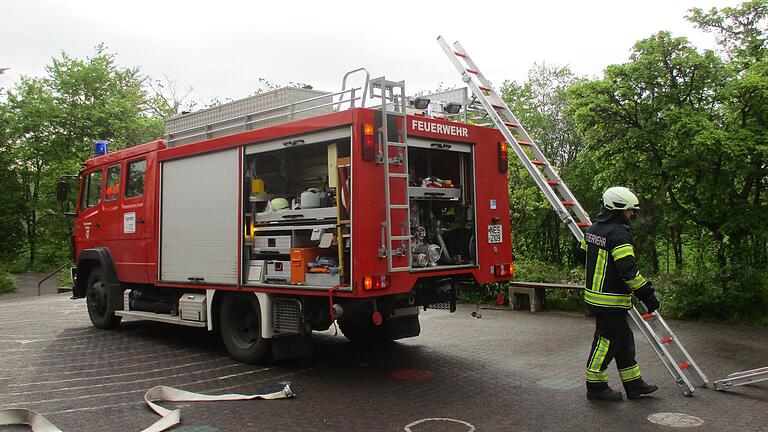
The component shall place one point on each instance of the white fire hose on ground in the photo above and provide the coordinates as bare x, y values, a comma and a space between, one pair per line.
169, 418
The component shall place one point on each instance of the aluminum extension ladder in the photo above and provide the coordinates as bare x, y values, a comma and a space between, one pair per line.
742, 378
567, 207
394, 243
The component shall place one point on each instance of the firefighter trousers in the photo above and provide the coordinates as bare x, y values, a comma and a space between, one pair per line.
613, 339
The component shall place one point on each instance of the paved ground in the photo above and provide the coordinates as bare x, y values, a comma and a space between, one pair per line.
510, 371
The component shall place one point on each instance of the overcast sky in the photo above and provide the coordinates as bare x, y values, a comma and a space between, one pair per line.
221, 48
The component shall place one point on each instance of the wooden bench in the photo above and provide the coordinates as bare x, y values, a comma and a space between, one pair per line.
536, 292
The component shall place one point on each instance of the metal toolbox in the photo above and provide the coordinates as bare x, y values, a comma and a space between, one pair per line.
278, 271
280, 244
192, 307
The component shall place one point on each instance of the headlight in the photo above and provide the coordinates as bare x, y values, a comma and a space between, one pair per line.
420, 260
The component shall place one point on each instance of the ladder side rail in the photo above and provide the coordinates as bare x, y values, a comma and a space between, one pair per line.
758, 371
563, 189
666, 361
662, 351
699, 374
538, 177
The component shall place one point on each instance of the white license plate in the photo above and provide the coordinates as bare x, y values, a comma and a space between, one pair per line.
494, 234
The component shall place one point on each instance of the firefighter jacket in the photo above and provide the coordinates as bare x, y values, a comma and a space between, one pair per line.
612, 274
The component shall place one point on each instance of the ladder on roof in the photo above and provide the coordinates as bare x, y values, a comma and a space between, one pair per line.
567, 207
393, 154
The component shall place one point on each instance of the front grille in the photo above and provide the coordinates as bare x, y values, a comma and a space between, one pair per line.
286, 316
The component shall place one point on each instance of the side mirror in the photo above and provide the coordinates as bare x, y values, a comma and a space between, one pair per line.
62, 191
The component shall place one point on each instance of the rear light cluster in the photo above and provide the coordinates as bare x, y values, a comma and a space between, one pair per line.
375, 282
369, 143
504, 269
503, 156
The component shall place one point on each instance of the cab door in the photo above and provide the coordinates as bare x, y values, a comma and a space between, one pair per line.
130, 236
88, 228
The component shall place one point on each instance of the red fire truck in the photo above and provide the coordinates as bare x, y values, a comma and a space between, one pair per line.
268, 218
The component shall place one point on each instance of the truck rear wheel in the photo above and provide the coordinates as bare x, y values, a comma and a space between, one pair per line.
98, 300
240, 325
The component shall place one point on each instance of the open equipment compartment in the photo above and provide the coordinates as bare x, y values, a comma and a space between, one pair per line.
441, 196
296, 222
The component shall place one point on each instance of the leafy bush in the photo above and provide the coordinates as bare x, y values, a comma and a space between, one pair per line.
714, 295
7, 284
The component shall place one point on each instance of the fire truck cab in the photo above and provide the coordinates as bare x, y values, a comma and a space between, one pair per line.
273, 216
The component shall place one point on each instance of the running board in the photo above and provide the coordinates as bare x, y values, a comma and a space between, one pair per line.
151, 316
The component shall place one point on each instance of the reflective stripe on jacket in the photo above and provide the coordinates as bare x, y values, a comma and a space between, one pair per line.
612, 274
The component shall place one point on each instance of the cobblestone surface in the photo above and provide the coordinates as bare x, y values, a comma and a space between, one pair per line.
510, 371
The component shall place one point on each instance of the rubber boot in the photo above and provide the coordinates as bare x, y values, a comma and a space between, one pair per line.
606, 394
637, 388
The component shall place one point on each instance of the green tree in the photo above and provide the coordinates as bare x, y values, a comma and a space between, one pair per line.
666, 123
50, 126
540, 103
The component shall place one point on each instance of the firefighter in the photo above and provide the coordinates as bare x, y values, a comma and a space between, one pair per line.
612, 279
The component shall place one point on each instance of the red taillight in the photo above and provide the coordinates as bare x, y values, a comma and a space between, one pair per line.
375, 282
369, 143
504, 269
503, 156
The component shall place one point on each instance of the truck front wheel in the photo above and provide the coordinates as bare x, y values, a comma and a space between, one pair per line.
98, 301
240, 325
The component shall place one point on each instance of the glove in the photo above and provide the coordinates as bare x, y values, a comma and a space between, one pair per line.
647, 296
651, 303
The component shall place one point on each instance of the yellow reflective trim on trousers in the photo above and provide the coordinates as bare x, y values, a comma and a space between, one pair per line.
607, 299
622, 251
630, 373
598, 356
599, 277
583, 244
597, 376
636, 282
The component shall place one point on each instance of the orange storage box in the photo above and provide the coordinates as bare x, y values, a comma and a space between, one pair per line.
300, 258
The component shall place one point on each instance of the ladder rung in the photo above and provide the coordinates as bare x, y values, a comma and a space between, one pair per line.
523, 143
510, 125
646, 316
553, 182
567, 203
472, 71
582, 224
685, 365
398, 175
666, 340
483, 88
393, 238
537, 162
460, 54
396, 144
498, 107
399, 206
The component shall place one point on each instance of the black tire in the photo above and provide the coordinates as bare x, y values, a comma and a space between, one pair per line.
98, 299
240, 326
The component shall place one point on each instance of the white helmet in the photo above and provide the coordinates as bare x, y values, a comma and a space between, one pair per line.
620, 198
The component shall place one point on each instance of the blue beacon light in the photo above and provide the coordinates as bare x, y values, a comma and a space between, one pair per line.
100, 148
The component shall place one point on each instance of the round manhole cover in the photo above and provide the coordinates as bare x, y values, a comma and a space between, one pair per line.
677, 420
559, 383
439, 424
411, 375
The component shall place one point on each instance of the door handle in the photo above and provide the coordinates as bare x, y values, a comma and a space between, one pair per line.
96, 225
140, 221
